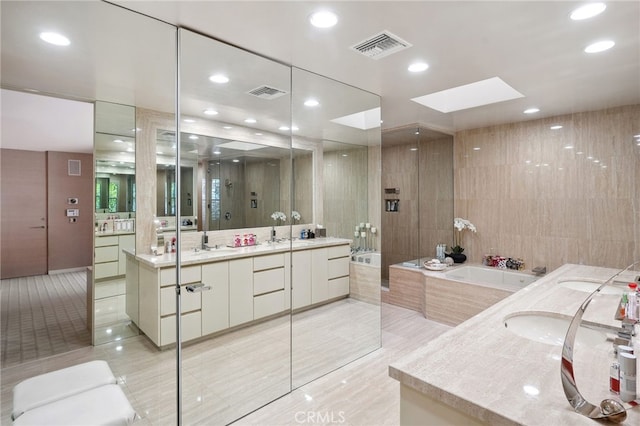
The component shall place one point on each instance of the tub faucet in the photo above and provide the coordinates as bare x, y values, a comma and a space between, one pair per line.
539, 270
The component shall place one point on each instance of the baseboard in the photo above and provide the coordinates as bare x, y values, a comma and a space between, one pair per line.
66, 271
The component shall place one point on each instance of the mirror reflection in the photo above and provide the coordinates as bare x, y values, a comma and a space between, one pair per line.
341, 128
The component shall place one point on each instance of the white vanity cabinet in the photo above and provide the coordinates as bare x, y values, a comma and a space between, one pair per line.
241, 290
110, 260
300, 278
268, 285
215, 302
319, 275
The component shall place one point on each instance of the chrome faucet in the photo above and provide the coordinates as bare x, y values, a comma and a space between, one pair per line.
539, 270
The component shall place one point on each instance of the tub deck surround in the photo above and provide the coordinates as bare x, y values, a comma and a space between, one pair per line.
482, 370
191, 257
450, 296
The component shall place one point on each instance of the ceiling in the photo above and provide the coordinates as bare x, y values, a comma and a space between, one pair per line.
532, 46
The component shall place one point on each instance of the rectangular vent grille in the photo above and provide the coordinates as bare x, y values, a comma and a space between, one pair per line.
74, 167
266, 92
381, 45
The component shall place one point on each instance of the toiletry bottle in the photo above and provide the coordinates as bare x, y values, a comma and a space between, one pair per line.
632, 303
614, 378
627, 377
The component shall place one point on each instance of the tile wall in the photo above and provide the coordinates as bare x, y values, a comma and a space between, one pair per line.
570, 195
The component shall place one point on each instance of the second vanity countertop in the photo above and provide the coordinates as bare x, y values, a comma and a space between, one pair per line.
192, 257
486, 371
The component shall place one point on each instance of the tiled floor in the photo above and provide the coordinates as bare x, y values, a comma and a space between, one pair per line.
42, 316
214, 385
234, 373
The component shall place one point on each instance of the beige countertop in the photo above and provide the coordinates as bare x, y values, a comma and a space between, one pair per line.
191, 257
486, 371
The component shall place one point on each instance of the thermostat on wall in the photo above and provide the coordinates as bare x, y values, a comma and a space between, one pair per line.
73, 212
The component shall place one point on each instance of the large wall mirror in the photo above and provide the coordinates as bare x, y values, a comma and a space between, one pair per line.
234, 135
340, 124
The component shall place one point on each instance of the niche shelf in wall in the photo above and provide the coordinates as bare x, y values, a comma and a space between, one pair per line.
391, 202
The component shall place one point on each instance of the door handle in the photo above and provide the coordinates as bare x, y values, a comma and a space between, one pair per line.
36, 227
197, 288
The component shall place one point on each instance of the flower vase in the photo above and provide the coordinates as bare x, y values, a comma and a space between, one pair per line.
458, 257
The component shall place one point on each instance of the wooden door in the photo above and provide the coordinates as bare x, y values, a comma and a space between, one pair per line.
23, 210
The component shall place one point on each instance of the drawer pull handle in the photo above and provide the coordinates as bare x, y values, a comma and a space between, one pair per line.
197, 288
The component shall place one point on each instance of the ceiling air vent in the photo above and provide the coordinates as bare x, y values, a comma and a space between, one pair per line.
266, 92
381, 45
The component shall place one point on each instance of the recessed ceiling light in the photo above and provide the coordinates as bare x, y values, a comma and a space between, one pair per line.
217, 152
418, 67
189, 120
250, 120
118, 141
568, 147
587, 11
235, 160
556, 127
477, 148
311, 103
129, 149
210, 112
55, 38
193, 137
227, 127
637, 136
413, 149
599, 46
323, 19
295, 128
531, 110
283, 128
258, 134
159, 152
219, 78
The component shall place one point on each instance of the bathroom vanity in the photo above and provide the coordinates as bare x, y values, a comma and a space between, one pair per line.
491, 370
239, 285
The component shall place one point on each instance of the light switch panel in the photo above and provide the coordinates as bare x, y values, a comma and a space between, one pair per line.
73, 212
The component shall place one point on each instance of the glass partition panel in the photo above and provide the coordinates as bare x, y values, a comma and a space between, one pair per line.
124, 63
336, 290
235, 118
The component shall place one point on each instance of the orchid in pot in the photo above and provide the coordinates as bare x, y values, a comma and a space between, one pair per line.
456, 250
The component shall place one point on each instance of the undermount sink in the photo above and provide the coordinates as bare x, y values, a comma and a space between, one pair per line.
208, 253
549, 329
590, 287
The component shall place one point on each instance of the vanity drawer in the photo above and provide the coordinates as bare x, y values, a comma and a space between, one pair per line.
103, 270
188, 274
338, 287
338, 251
338, 267
268, 281
268, 304
189, 301
107, 241
191, 328
106, 254
268, 262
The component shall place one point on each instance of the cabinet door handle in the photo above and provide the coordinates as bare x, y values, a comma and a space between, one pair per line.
197, 288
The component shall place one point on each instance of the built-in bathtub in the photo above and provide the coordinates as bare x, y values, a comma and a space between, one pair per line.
503, 279
454, 295
364, 277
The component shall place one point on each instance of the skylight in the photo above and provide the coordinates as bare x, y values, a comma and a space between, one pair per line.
364, 120
484, 92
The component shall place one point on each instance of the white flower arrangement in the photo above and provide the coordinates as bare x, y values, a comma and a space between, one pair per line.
295, 215
460, 224
278, 216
